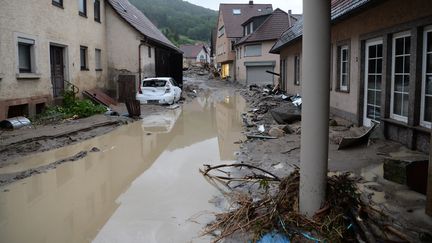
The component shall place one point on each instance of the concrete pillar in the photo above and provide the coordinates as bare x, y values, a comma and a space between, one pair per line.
315, 105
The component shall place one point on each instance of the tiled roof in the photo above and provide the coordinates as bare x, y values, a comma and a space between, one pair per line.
140, 22
271, 29
339, 9
289, 35
191, 51
232, 22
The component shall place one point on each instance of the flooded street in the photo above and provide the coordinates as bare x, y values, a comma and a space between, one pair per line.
139, 183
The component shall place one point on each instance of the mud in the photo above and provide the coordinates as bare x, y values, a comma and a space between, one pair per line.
8, 178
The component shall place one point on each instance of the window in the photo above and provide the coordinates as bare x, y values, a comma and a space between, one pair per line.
83, 58
82, 7
236, 11
297, 70
98, 59
343, 68
426, 101
252, 50
58, 3
232, 45
283, 74
400, 76
221, 31
96, 4
26, 55
149, 51
248, 28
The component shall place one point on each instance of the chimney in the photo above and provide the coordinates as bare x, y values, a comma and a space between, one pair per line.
289, 18
250, 2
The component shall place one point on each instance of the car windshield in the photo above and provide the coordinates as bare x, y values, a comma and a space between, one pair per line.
173, 82
154, 83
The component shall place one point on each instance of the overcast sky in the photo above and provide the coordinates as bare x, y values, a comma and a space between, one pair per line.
294, 5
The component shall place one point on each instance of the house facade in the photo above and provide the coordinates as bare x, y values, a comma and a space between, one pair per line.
137, 49
230, 30
195, 54
253, 57
381, 66
48, 46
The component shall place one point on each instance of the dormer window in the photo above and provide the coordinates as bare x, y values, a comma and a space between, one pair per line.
236, 11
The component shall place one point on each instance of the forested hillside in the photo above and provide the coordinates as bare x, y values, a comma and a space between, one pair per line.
181, 21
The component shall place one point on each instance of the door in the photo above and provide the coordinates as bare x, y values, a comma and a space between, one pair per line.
57, 70
373, 79
126, 87
258, 75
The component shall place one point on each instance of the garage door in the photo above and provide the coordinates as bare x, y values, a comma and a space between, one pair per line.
258, 75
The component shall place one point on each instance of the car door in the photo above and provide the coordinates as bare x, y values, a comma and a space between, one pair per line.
177, 90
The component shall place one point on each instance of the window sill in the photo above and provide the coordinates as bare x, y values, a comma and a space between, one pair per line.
85, 69
98, 21
28, 75
342, 91
98, 69
82, 14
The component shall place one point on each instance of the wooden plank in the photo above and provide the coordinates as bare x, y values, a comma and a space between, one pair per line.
100, 97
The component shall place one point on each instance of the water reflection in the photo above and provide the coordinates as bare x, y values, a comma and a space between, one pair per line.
73, 202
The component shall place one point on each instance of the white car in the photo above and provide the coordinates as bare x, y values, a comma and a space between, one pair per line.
158, 91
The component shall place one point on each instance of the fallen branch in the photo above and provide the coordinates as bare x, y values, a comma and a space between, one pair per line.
290, 150
266, 176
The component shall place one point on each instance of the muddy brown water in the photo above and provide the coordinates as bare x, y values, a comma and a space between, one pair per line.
142, 186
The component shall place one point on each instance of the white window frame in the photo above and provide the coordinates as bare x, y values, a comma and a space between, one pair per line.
424, 123
393, 59
221, 31
236, 11
341, 62
98, 59
20, 37
246, 47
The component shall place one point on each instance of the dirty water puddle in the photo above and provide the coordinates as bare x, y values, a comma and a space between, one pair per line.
141, 185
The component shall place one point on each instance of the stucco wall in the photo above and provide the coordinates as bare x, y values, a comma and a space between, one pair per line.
288, 54
389, 14
265, 57
223, 42
123, 43
48, 24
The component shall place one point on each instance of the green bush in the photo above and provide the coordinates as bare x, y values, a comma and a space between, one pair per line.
72, 107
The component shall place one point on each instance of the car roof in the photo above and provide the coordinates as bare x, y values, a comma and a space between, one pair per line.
160, 78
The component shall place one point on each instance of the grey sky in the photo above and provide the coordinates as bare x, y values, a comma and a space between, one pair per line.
294, 5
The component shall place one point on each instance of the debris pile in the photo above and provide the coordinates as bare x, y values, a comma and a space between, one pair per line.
197, 70
270, 108
343, 218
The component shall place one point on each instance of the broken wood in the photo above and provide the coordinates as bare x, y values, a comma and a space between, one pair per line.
259, 136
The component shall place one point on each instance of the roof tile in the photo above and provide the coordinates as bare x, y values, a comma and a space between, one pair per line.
140, 22
232, 22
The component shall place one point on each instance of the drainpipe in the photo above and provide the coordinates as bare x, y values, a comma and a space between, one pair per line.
139, 67
315, 105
